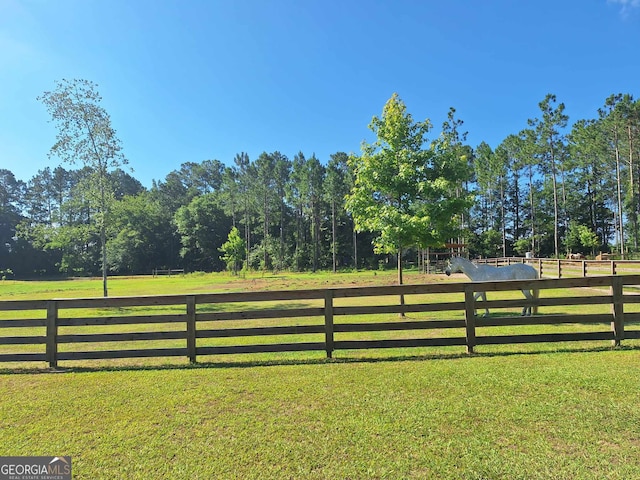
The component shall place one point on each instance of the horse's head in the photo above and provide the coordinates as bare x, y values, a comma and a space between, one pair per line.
453, 266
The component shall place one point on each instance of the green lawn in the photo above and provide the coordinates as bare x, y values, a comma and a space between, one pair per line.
544, 415
507, 412
199, 283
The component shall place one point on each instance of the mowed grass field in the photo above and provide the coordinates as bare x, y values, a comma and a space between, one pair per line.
526, 411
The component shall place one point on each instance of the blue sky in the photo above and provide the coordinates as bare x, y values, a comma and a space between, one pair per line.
191, 80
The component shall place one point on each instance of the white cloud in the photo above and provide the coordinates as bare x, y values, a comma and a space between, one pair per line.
626, 5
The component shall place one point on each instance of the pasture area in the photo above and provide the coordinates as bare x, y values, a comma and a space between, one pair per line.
507, 411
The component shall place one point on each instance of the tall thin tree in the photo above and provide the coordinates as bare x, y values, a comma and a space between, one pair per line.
550, 143
85, 135
335, 189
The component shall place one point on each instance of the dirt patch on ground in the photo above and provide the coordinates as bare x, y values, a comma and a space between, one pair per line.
299, 281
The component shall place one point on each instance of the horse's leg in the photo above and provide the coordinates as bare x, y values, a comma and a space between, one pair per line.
526, 310
484, 299
482, 295
476, 296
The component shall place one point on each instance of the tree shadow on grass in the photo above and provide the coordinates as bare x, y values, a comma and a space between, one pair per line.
310, 361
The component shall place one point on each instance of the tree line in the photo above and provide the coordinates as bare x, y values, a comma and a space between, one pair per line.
552, 190
548, 189
290, 214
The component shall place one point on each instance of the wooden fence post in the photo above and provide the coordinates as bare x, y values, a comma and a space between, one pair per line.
617, 325
540, 267
52, 334
559, 268
469, 317
191, 328
328, 322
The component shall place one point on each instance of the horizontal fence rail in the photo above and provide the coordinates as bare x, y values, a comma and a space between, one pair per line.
193, 326
561, 268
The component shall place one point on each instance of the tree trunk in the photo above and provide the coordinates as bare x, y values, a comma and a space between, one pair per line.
247, 235
298, 236
281, 260
400, 279
556, 213
333, 232
103, 239
516, 207
504, 220
315, 225
103, 229
619, 188
533, 231
355, 249
632, 186
266, 233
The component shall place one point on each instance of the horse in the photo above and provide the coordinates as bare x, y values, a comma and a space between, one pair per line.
480, 273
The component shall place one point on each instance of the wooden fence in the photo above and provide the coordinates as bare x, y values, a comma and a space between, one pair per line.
561, 268
330, 319
169, 271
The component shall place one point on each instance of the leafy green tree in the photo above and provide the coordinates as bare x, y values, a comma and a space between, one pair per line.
85, 135
245, 176
500, 163
487, 244
39, 197
454, 160
79, 234
124, 184
265, 193
630, 115
72, 238
581, 239
588, 238
209, 176
201, 225
305, 195
522, 245
59, 226
588, 148
551, 149
295, 197
485, 182
312, 190
387, 181
405, 193
511, 148
233, 250
282, 169
525, 143
46, 193
611, 125
197, 178
139, 243
335, 190
11, 203
620, 124
572, 239
176, 190
229, 194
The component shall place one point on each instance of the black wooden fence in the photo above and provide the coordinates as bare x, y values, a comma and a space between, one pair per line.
312, 320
